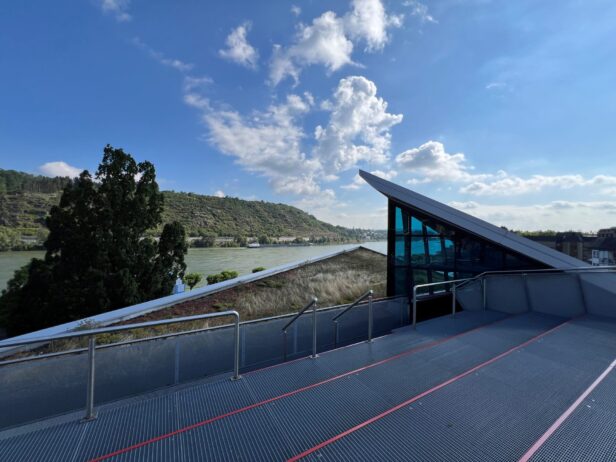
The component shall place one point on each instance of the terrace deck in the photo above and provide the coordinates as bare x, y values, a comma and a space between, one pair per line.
482, 386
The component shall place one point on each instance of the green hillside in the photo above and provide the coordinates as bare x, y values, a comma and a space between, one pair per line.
25, 200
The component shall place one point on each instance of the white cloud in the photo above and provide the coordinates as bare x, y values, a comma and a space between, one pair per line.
238, 49
118, 8
328, 41
59, 168
430, 162
193, 94
273, 143
268, 143
323, 42
358, 181
420, 11
508, 185
220, 193
369, 22
557, 215
358, 128
296, 10
496, 86
176, 64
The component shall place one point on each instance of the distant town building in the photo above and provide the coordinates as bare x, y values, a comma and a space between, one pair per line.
603, 251
607, 232
574, 244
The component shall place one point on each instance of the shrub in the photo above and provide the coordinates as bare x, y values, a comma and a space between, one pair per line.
192, 279
224, 276
258, 268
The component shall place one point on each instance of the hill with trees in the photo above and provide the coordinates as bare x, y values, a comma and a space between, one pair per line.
25, 201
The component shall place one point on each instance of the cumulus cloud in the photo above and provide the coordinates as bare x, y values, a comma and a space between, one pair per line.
296, 10
358, 181
268, 142
176, 64
358, 129
238, 49
323, 42
220, 193
367, 21
117, 8
59, 168
430, 162
329, 40
273, 143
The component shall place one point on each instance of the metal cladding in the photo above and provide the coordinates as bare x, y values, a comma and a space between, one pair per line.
473, 225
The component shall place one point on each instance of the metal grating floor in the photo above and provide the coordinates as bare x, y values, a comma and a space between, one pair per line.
482, 386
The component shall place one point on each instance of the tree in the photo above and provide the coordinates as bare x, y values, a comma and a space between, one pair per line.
97, 256
192, 279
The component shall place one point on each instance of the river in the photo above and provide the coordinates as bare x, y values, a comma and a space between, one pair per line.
211, 260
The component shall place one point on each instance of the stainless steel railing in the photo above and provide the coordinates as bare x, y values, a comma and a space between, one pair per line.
433, 284
311, 304
580, 269
92, 333
483, 278
369, 294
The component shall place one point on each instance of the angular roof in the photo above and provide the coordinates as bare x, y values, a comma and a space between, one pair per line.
473, 225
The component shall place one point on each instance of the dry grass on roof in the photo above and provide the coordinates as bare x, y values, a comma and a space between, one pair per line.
335, 281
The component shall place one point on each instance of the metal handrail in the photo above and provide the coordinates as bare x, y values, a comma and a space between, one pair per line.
542, 270
369, 294
432, 284
92, 333
482, 277
312, 303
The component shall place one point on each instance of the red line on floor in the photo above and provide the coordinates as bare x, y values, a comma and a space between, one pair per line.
421, 395
558, 422
291, 393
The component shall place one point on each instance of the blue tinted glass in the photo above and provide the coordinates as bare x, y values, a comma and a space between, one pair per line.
420, 276
438, 276
400, 252
399, 224
418, 251
449, 250
431, 231
416, 226
435, 247
401, 282
402, 221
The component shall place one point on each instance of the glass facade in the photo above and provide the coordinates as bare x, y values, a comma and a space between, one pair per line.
424, 250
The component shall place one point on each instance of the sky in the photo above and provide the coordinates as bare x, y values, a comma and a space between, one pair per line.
503, 109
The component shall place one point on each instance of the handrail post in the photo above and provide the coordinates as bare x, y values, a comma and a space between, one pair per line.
335, 334
284, 345
453, 300
414, 307
314, 328
370, 316
484, 281
90, 412
236, 341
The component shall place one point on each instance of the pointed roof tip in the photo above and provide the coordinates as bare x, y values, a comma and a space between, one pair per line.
471, 224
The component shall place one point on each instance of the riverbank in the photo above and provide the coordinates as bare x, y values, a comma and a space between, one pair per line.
211, 260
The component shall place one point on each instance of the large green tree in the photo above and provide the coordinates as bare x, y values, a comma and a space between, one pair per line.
98, 257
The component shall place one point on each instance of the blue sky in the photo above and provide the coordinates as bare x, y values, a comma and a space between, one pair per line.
504, 109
